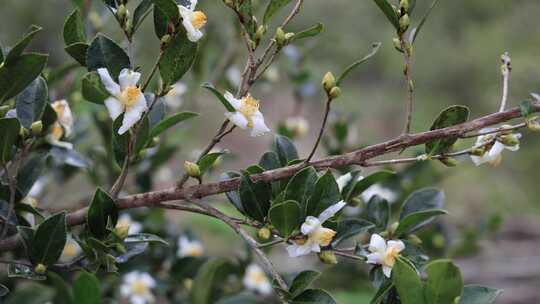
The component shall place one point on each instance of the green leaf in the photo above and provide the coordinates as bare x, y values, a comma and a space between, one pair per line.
246, 11
78, 51
145, 238
169, 8
286, 217
285, 149
475, 294
219, 96
170, 122
74, 29
233, 196
30, 171
270, 161
374, 49
102, 212
63, 294
141, 11
325, 194
255, 197
302, 281
209, 275
161, 23
314, 296
301, 186
21, 45
93, 89
86, 289
378, 211
143, 136
30, 104
417, 220
177, 58
19, 73
416, 31
422, 200
382, 292
350, 227
360, 186
273, 7
450, 116
9, 132
444, 282
27, 237
408, 283
49, 240
389, 12
207, 161
307, 33
120, 143
3, 290
526, 108
105, 53
1, 54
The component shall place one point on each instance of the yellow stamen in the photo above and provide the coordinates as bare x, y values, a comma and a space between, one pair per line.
390, 256
130, 96
139, 287
70, 250
198, 19
324, 236
195, 251
249, 107
57, 131
257, 277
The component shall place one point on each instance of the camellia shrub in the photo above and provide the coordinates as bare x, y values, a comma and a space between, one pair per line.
286, 204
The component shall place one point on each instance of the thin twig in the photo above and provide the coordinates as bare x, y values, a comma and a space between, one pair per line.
152, 72
506, 68
321, 131
405, 46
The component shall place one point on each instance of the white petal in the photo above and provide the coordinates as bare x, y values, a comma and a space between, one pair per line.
265, 288
112, 87
58, 143
311, 224
125, 290
387, 271
132, 115
377, 243
513, 148
399, 245
193, 4
259, 127
495, 151
114, 106
343, 180
193, 34
479, 160
315, 247
236, 103
331, 211
374, 258
295, 250
238, 119
128, 78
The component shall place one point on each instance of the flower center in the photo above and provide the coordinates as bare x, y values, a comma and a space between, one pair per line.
57, 131
70, 250
195, 251
139, 287
324, 236
257, 277
249, 107
390, 256
198, 19
130, 96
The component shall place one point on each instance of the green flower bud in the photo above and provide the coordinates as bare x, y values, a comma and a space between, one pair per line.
264, 233
122, 12
393, 228
122, 231
414, 239
335, 92
280, 37
509, 140
192, 169
404, 23
449, 161
155, 141
288, 36
165, 40
260, 32
397, 44
478, 151
23, 132
37, 127
533, 126
40, 269
404, 6
328, 81
328, 257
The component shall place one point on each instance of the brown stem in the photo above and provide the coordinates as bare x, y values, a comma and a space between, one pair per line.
321, 131
405, 46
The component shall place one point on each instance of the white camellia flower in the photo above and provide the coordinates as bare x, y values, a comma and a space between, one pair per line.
189, 248
72, 250
174, 97
125, 220
384, 253
316, 235
192, 20
234, 76
126, 97
137, 287
63, 125
493, 153
256, 280
247, 115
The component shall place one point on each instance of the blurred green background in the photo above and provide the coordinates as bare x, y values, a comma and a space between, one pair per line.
456, 61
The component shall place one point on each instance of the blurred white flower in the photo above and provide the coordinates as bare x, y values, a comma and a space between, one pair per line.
256, 280
174, 97
72, 249
28, 216
234, 76
247, 115
384, 253
63, 125
189, 248
297, 124
126, 97
344, 180
125, 220
376, 189
137, 287
317, 235
192, 20
493, 146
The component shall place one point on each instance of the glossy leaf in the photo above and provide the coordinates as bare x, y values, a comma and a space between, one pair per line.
382, 292
270, 161
350, 227
374, 49
208, 161
9, 132
27, 237
273, 7
171, 121
78, 51
359, 186
286, 217
141, 11
86, 289
285, 149
378, 211
388, 11
49, 240
219, 96
422, 200
307, 33
102, 211
177, 58
408, 283
325, 194
74, 29
30, 171
105, 53
417, 220
475, 294
18, 49
233, 196
30, 104
255, 197
444, 282
302, 281
314, 296
210, 274
301, 186
451, 116
17, 74
93, 89
169, 8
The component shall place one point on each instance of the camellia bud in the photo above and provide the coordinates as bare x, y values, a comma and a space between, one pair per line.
192, 169
37, 127
280, 37
397, 44
533, 126
414, 239
478, 151
328, 257
449, 161
335, 92
509, 140
404, 5
264, 233
155, 141
165, 40
404, 23
24, 132
328, 81
40, 269
121, 13
393, 228
122, 231
260, 32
